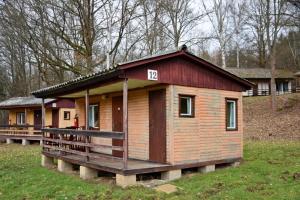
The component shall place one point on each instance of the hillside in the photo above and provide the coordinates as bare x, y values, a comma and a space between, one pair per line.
261, 124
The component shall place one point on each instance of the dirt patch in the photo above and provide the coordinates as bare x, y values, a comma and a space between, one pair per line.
256, 187
296, 176
215, 189
260, 123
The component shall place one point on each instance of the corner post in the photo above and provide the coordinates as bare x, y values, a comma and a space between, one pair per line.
43, 120
25, 120
87, 105
43, 113
25, 112
125, 122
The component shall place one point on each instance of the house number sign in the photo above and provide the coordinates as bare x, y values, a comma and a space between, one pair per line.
152, 75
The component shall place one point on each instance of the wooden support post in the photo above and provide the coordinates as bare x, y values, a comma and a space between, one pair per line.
25, 116
87, 106
43, 113
60, 143
43, 118
125, 122
25, 121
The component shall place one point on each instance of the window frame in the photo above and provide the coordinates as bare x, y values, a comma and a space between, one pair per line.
68, 114
235, 100
192, 114
94, 105
17, 114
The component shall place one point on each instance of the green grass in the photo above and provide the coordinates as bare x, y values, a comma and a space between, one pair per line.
267, 172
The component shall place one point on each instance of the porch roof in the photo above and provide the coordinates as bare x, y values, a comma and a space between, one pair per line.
16, 102
118, 72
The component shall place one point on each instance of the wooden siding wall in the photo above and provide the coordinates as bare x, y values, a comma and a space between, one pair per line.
104, 117
138, 120
65, 123
203, 137
180, 71
30, 116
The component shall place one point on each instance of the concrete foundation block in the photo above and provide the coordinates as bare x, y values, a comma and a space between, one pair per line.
125, 181
207, 169
87, 173
64, 166
235, 164
9, 141
25, 142
171, 175
47, 161
41, 142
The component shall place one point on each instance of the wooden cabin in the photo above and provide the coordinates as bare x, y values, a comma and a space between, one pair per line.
25, 117
261, 77
297, 76
162, 113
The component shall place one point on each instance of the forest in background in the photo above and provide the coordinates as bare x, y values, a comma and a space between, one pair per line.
45, 42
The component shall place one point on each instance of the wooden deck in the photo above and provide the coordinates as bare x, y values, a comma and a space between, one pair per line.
111, 164
74, 146
19, 132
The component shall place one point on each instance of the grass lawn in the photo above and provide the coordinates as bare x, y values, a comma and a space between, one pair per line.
271, 170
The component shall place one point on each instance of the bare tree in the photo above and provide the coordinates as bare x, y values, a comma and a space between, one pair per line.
239, 18
218, 15
180, 19
269, 18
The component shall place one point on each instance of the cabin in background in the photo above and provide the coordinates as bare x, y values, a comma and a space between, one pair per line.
25, 117
261, 77
161, 114
297, 75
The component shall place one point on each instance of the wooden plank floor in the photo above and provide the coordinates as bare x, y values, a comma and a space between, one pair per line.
113, 165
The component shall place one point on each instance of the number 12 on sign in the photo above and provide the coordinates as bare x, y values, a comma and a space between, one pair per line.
152, 75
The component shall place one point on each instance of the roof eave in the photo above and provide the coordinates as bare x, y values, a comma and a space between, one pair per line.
19, 106
81, 85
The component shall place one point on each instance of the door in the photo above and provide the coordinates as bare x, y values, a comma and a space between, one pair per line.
37, 119
55, 118
117, 122
157, 126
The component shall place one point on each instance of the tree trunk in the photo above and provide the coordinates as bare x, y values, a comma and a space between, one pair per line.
273, 83
237, 55
223, 57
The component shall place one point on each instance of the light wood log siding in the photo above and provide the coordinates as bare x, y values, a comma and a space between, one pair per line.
105, 118
12, 116
138, 120
201, 138
65, 123
204, 137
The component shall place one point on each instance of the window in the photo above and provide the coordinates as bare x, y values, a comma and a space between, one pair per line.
20, 118
94, 115
186, 106
231, 114
67, 115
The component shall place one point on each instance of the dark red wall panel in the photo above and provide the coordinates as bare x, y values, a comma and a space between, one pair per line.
62, 103
180, 71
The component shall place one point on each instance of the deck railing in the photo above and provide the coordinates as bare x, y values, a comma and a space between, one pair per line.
19, 130
78, 142
266, 92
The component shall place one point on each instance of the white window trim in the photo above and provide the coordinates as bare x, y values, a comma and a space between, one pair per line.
21, 119
234, 115
93, 114
189, 113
